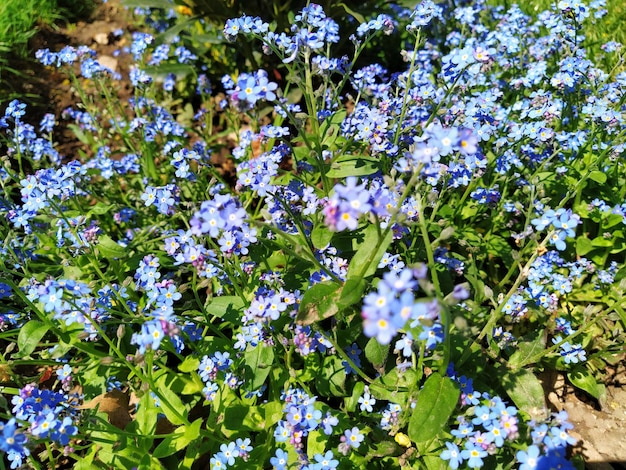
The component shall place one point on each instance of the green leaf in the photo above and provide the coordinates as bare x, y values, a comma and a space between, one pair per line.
220, 306
357, 16
321, 236
148, 462
583, 246
435, 403
179, 26
315, 443
146, 417
366, 259
352, 401
525, 390
258, 364
527, 349
189, 364
611, 220
581, 378
170, 403
319, 302
273, 413
330, 134
598, 176
29, 337
100, 208
109, 248
83, 137
352, 166
164, 69
384, 449
602, 242
498, 246
352, 292
164, 4
394, 385
376, 353
193, 384
242, 417
331, 381
181, 438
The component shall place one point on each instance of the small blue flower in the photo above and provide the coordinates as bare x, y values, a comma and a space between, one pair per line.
353, 437
453, 455
280, 459
529, 458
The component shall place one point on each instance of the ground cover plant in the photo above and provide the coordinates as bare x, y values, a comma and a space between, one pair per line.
378, 283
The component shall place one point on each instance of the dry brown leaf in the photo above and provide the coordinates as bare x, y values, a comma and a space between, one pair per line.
5, 373
114, 404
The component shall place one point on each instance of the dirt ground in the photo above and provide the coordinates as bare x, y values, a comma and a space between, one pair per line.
600, 426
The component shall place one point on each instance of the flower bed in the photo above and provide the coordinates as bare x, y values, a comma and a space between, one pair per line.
396, 258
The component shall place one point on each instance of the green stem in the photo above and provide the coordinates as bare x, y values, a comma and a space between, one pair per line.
497, 314
405, 101
345, 357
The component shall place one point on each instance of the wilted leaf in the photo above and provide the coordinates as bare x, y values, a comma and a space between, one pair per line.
319, 302
114, 404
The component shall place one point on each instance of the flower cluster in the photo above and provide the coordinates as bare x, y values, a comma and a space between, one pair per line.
562, 222
220, 364
249, 89
321, 242
489, 423
348, 203
164, 198
158, 307
311, 31
301, 417
225, 458
50, 415
393, 305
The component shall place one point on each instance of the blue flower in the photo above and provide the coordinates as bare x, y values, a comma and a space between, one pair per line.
474, 455
248, 89
366, 402
64, 372
453, 455
529, 458
324, 462
280, 459
11, 439
353, 437
53, 299
227, 453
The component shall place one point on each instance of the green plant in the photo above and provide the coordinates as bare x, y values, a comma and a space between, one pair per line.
20, 20
378, 289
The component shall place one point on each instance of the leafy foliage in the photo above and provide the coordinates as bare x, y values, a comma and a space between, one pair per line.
323, 273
